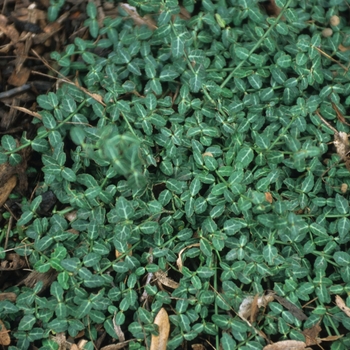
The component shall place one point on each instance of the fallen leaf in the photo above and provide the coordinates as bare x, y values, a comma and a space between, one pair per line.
118, 331
198, 347
295, 310
344, 187
12, 262
165, 280
268, 197
341, 143
343, 48
81, 344
4, 335
8, 296
7, 188
250, 306
311, 334
117, 346
331, 337
138, 20
179, 260
19, 78
159, 342
342, 306
287, 345
254, 309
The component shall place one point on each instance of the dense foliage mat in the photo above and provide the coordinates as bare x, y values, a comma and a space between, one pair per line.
194, 167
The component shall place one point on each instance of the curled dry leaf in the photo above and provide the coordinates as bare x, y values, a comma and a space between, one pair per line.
179, 260
198, 347
165, 280
268, 197
311, 334
12, 262
10, 296
250, 306
159, 342
138, 20
118, 330
294, 310
118, 346
287, 345
7, 188
331, 337
344, 187
342, 306
341, 143
4, 335
343, 48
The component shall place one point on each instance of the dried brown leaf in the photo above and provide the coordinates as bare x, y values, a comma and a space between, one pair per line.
159, 342
118, 331
254, 309
295, 310
287, 345
12, 262
207, 154
343, 48
165, 280
342, 306
81, 344
4, 335
138, 20
47, 278
250, 306
9, 30
7, 188
179, 260
198, 347
344, 188
341, 143
8, 296
117, 346
331, 338
311, 334
268, 197
19, 78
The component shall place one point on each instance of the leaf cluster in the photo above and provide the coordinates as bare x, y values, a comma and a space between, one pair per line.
197, 141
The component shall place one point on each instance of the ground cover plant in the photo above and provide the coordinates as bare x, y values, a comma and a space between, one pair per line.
199, 158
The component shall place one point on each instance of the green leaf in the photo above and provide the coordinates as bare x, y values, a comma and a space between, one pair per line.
26, 323
40, 145
149, 227
245, 156
195, 83
341, 204
342, 258
307, 184
255, 81
25, 218
68, 174
8, 142
241, 52
284, 61
168, 74
177, 47
124, 209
